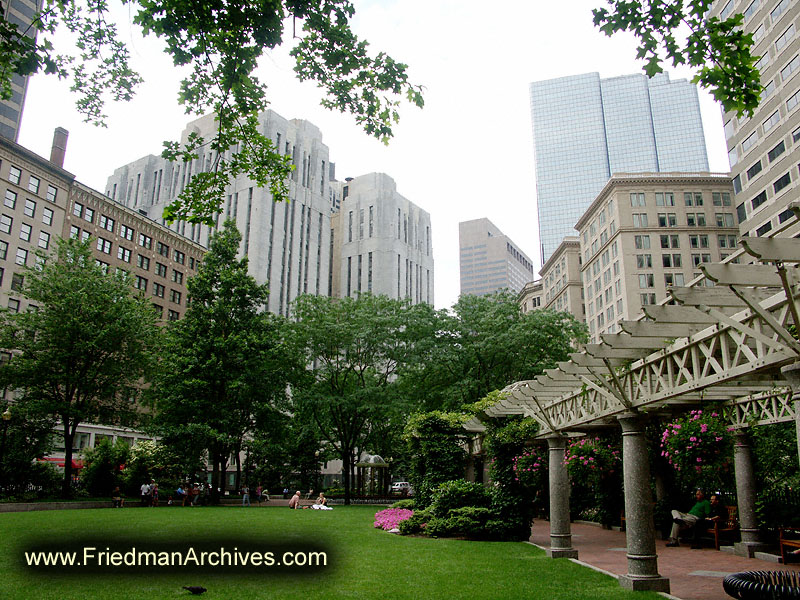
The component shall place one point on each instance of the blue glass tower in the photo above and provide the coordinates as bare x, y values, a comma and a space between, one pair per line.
585, 129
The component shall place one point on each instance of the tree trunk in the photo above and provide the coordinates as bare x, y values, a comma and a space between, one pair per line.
345, 455
214, 477
238, 471
69, 437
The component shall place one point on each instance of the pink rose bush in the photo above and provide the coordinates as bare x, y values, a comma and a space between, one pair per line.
697, 445
589, 455
530, 467
391, 517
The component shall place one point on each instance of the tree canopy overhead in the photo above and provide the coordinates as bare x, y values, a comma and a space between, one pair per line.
678, 31
221, 42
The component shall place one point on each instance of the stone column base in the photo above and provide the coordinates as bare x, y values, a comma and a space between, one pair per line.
644, 584
749, 549
561, 553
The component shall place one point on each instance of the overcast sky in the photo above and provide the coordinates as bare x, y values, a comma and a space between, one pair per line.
468, 154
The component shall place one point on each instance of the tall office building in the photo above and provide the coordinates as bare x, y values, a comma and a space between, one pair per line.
381, 242
763, 150
489, 260
19, 13
287, 243
586, 129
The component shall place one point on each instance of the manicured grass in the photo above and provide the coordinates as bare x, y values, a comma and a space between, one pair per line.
363, 562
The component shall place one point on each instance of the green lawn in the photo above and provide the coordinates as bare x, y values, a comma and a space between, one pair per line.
363, 562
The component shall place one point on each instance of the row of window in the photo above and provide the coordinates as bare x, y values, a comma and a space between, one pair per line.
34, 183
640, 220
689, 199
126, 232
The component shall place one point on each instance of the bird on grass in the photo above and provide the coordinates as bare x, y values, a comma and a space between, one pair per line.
195, 589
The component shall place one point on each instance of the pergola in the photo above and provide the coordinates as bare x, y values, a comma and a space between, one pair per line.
727, 337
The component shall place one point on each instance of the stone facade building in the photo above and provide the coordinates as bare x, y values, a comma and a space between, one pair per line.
530, 298
561, 277
763, 150
646, 232
490, 260
381, 242
287, 244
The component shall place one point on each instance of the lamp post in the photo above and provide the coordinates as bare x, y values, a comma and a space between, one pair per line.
6, 420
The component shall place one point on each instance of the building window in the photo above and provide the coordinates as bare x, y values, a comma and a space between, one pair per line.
104, 245
693, 198
88, 214
162, 249
754, 170
785, 38
371, 220
145, 241
47, 216
721, 198
10, 199
180, 257
725, 220
3, 249
126, 232
17, 281
44, 240
106, 223
782, 182
161, 269
143, 262
751, 141
52, 192
644, 261
13, 305
158, 290
5, 223
14, 173
123, 254
25, 232
667, 220
665, 199
141, 283
776, 151
33, 184
173, 315
640, 219
350, 228
175, 296
177, 276
642, 242
30, 208
646, 280
759, 200
766, 227
22, 256
772, 121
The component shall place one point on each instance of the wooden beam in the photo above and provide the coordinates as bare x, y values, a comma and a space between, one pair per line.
708, 296
603, 351
773, 249
622, 340
666, 331
746, 275
678, 314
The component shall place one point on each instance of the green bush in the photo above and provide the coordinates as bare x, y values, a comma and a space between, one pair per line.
408, 503
103, 469
416, 524
468, 521
458, 493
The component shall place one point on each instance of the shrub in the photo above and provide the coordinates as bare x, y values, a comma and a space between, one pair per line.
458, 493
408, 503
595, 468
416, 523
698, 446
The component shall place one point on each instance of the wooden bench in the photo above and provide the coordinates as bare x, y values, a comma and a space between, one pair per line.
788, 542
730, 525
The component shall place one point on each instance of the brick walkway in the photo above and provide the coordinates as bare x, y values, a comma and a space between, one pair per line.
693, 574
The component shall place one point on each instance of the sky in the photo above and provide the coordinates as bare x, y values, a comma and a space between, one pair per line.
467, 154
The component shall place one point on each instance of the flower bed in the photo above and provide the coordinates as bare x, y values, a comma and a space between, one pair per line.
391, 517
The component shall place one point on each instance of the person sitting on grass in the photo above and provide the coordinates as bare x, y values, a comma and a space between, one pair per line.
295, 501
696, 515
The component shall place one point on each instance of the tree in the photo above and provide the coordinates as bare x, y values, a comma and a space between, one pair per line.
224, 364
221, 42
356, 346
719, 50
81, 354
484, 344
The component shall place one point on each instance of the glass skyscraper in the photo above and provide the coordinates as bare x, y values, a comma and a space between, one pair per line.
586, 128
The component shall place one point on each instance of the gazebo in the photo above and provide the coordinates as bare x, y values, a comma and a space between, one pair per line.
372, 475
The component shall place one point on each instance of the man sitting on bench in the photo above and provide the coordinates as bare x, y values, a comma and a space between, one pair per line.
694, 518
